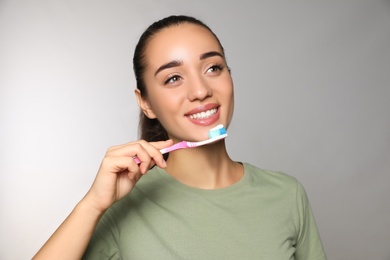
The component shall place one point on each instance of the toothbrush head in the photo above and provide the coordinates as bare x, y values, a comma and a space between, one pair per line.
217, 131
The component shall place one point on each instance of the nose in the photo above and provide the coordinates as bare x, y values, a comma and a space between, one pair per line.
199, 89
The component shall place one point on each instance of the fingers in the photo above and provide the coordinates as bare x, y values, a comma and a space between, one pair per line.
162, 144
119, 172
147, 153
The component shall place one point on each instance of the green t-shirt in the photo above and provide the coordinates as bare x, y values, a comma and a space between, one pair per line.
265, 215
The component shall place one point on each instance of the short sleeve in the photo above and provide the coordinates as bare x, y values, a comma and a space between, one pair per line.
308, 245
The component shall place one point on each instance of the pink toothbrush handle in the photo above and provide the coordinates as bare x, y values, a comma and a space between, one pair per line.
182, 144
136, 160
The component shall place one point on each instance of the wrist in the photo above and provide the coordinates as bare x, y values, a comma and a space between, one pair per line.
87, 208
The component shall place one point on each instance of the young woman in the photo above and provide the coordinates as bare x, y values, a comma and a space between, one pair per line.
197, 203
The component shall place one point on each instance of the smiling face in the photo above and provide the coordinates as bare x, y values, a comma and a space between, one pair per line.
189, 86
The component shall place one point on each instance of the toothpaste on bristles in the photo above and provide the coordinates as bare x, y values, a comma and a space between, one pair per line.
217, 131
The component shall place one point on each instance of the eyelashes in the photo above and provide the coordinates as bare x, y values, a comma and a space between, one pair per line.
213, 70
172, 79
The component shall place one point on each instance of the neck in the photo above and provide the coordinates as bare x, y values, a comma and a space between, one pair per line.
205, 167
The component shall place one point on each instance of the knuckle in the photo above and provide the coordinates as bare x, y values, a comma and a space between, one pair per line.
106, 162
138, 145
143, 142
110, 149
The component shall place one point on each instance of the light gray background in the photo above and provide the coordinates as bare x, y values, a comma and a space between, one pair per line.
312, 100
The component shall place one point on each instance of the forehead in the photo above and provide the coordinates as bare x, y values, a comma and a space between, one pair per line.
178, 40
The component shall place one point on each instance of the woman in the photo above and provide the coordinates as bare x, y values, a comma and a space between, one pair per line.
197, 203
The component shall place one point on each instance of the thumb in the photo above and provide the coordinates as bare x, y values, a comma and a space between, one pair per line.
162, 144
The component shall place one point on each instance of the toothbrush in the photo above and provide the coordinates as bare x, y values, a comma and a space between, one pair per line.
217, 133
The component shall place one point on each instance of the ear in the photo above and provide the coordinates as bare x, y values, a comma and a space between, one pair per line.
144, 104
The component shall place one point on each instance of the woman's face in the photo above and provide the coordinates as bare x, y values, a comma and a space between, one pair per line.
190, 89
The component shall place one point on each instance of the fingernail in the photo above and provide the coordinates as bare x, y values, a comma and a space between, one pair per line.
164, 163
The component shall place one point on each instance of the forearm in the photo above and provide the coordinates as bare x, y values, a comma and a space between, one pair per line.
71, 239
117, 175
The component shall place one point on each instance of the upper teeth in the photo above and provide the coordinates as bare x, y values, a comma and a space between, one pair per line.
204, 114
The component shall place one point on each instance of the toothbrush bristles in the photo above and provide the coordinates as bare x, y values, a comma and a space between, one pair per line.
217, 131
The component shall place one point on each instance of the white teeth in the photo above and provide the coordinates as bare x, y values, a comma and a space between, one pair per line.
204, 115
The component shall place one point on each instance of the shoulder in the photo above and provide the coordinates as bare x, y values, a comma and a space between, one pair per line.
151, 180
275, 183
270, 178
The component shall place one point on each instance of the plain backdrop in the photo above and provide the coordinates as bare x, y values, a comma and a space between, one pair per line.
312, 83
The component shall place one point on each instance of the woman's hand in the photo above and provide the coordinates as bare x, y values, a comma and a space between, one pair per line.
119, 173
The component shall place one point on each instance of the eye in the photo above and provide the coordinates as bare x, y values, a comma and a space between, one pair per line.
172, 79
215, 68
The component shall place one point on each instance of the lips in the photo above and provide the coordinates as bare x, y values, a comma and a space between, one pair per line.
204, 115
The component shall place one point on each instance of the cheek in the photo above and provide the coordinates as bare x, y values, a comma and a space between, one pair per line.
230, 99
228, 88
164, 104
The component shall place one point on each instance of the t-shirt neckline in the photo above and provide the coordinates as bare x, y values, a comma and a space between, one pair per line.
171, 181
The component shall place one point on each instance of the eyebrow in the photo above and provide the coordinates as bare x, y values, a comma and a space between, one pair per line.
177, 63
210, 54
168, 65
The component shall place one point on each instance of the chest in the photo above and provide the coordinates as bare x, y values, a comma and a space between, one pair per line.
187, 226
